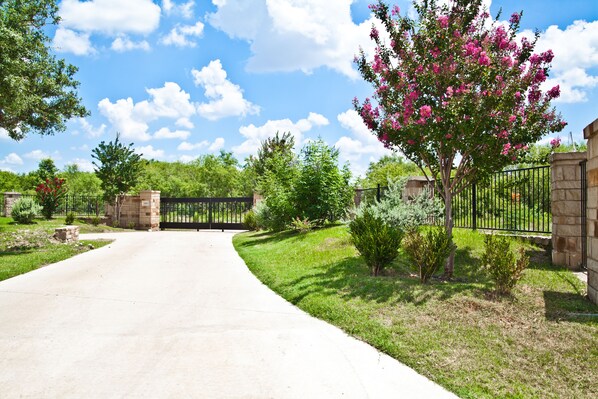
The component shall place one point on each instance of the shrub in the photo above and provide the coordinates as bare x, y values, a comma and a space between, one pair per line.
302, 225
322, 191
250, 221
131, 225
49, 195
24, 210
427, 251
95, 220
377, 241
70, 218
502, 266
407, 214
268, 218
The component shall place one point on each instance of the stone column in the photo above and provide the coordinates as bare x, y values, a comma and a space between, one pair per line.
590, 133
149, 210
565, 198
9, 200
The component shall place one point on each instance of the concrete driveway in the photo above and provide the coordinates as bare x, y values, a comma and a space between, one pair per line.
178, 315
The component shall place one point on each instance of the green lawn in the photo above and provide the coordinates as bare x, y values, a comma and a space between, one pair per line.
540, 343
27, 247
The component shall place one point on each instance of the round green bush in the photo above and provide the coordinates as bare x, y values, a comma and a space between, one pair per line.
377, 241
250, 220
24, 210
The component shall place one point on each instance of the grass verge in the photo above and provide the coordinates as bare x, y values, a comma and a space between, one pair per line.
27, 247
539, 343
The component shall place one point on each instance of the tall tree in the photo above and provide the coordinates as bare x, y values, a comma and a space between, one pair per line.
455, 92
118, 167
46, 170
37, 90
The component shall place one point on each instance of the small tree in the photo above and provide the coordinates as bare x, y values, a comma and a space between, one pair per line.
456, 93
46, 169
49, 195
322, 191
118, 167
37, 91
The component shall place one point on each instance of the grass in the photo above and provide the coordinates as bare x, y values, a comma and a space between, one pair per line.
538, 343
27, 247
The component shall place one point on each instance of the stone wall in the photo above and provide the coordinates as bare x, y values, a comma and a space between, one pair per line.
566, 204
591, 134
9, 200
141, 212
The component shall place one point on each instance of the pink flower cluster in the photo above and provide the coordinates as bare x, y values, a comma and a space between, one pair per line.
555, 143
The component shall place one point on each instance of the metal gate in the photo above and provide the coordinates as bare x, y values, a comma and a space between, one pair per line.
204, 213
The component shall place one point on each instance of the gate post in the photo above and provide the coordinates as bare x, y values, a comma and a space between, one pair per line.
565, 199
149, 210
590, 133
9, 200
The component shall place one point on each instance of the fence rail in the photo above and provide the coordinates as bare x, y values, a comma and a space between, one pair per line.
512, 200
80, 205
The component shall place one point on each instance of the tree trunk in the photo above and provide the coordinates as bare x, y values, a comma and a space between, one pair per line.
449, 266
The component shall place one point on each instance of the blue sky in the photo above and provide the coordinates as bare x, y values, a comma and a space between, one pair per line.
182, 78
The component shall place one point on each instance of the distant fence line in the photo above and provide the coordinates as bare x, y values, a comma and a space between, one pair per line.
80, 205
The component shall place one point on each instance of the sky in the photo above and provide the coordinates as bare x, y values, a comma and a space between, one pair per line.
182, 78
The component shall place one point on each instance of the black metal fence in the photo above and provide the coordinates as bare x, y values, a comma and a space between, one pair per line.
513, 200
369, 195
80, 205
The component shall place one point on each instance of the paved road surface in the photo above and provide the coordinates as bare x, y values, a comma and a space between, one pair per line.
177, 315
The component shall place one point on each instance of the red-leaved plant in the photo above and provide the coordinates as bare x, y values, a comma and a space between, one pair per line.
49, 195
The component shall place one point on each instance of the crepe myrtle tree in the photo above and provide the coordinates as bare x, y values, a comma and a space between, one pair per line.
455, 92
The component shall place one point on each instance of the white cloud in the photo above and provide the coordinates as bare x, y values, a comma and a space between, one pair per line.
290, 35
184, 122
11, 159
226, 98
212, 147
123, 43
184, 9
110, 17
148, 152
575, 56
37, 155
165, 133
363, 147
187, 158
89, 130
217, 145
131, 119
4, 134
84, 164
69, 41
180, 35
254, 135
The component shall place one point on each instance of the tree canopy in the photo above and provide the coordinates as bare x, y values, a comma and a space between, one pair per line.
118, 167
456, 92
37, 90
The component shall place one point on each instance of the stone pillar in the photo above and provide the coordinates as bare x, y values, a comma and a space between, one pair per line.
9, 200
257, 198
590, 133
149, 210
565, 198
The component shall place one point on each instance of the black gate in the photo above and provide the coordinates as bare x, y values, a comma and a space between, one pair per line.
204, 213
